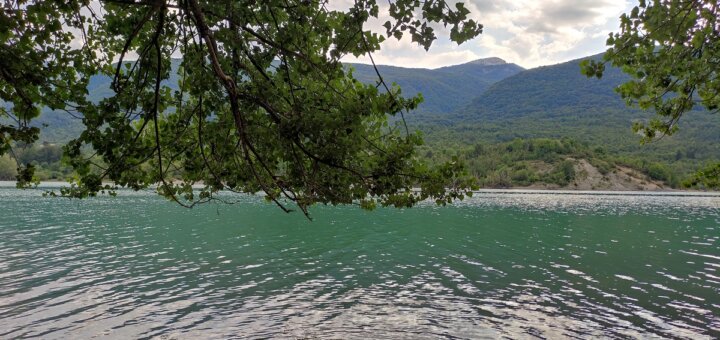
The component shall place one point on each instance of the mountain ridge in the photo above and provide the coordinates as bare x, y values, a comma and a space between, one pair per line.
473, 102
444, 90
557, 101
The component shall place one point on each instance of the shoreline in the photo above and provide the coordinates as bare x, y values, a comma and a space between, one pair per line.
516, 190
689, 193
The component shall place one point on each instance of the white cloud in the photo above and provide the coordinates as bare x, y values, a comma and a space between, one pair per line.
526, 32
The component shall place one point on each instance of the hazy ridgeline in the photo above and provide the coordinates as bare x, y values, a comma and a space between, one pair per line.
485, 105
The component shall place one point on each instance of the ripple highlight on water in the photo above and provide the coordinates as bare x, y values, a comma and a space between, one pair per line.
499, 264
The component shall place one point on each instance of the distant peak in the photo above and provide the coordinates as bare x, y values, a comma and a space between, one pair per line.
489, 61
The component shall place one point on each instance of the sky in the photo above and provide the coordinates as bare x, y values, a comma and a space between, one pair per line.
529, 33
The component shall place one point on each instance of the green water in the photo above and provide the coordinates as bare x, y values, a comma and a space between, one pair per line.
499, 265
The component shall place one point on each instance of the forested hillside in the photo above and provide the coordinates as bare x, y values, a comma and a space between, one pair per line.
445, 90
559, 102
554, 163
489, 102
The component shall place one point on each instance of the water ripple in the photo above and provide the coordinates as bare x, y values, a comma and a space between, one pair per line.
498, 265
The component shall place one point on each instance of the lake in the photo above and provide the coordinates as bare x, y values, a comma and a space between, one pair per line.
501, 264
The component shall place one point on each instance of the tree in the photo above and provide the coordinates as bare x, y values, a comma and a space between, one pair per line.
7, 168
671, 49
263, 101
38, 67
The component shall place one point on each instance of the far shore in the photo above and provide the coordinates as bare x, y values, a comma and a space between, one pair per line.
510, 190
664, 192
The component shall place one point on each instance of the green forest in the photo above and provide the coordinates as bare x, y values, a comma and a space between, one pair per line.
510, 127
544, 162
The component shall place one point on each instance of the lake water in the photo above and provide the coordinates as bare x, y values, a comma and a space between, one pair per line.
519, 265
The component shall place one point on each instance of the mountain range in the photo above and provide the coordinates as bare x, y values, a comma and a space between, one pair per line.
490, 100
445, 90
558, 101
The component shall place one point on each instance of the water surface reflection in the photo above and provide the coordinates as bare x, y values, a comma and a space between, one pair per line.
499, 264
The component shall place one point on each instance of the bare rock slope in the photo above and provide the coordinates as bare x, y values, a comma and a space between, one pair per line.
620, 178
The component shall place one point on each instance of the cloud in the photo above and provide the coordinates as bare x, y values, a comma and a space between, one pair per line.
527, 32
575, 13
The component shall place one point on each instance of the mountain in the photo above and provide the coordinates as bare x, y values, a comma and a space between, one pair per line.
558, 101
492, 102
548, 90
489, 100
445, 89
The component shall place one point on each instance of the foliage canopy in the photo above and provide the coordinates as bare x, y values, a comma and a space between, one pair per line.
264, 103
